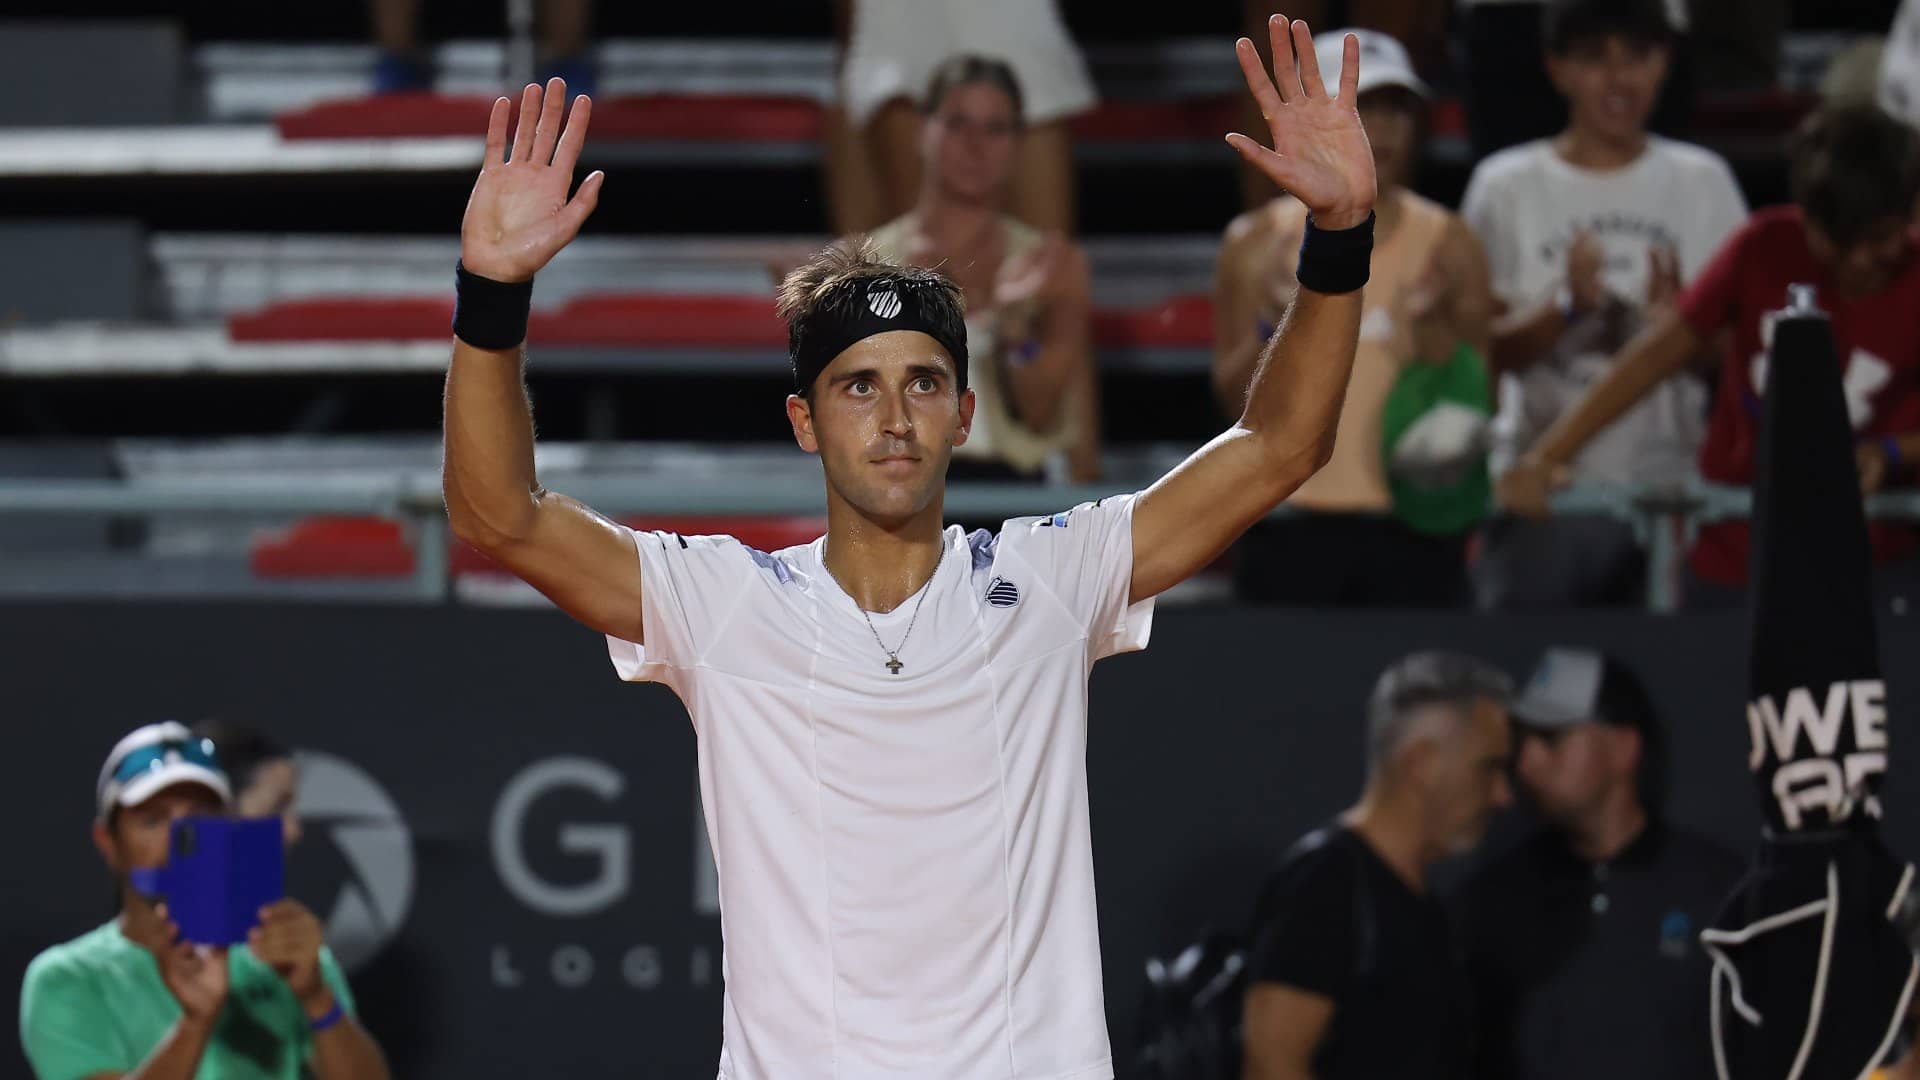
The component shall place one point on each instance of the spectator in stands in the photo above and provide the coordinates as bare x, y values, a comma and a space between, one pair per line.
1029, 307
1427, 304
893, 50
1582, 939
266, 781
1855, 175
404, 65
1419, 24
1590, 235
1353, 971
1510, 93
130, 998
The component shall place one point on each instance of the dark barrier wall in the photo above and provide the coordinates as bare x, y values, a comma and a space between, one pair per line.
505, 841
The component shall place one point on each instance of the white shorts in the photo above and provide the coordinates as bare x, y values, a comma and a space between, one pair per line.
897, 44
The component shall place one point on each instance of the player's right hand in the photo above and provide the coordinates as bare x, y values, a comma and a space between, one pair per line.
196, 975
519, 215
1527, 488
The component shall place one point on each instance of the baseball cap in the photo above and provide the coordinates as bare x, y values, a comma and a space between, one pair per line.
154, 757
1570, 687
1383, 61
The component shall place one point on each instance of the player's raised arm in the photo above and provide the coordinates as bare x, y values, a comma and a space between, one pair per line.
518, 217
1320, 155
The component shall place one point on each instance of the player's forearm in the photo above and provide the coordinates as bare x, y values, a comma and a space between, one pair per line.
1300, 382
1660, 352
487, 471
179, 1053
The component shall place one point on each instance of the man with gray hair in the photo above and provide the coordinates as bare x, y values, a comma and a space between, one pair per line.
1353, 970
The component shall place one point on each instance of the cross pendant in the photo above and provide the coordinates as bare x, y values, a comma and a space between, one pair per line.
893, 664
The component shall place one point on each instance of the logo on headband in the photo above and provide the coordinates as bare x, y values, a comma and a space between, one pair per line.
884, 303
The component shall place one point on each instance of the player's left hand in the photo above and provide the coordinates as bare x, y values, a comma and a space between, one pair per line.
1320, 153
288, 941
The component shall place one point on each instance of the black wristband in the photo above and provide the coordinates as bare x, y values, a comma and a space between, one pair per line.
1335, 260
489, 314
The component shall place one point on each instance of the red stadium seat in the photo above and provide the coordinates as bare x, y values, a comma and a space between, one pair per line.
370, 547
653, 319
692, 117
1146, 121
334, 547
1180, 322
760, 533
661, 319
354, 318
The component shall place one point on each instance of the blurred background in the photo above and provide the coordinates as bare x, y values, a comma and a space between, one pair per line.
227, 234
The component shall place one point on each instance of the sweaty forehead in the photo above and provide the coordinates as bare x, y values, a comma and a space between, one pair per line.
893, 349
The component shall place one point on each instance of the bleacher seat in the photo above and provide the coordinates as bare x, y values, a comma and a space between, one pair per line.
689, 117
1180, 322
756, 118
656, 320
661, 319
354, 318
371, 547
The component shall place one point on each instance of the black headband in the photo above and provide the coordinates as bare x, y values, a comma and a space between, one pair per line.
888, 305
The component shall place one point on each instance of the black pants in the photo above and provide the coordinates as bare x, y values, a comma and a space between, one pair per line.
1349, 560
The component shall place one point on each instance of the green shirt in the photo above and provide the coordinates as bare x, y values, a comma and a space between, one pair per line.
96, 1004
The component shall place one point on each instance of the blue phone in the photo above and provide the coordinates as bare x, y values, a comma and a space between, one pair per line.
220, 872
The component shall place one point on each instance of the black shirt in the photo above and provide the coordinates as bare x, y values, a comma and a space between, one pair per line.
1594, 970
1335, 920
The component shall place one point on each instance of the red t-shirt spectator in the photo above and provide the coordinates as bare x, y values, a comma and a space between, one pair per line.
1877, 337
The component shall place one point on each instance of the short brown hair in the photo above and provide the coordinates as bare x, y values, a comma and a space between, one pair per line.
828, 288
1853, 167
957, 71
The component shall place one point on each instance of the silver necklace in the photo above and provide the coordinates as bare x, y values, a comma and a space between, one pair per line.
893, 664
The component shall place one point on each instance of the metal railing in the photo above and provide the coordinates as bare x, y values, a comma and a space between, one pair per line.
1664, 519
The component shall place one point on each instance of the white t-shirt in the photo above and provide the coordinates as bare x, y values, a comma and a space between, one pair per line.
1900, 65
1525, 204
906, 872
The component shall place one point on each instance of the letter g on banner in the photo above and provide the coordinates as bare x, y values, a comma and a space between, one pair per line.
607, 842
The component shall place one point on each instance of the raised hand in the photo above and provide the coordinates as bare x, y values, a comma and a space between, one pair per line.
196, 975
288, 941
1585, 259
1320, 153
1023, 280
1663, 276
519, 216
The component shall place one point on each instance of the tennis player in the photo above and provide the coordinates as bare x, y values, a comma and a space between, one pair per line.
892, 720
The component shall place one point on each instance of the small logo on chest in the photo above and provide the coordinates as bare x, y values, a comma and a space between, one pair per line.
1002, 593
